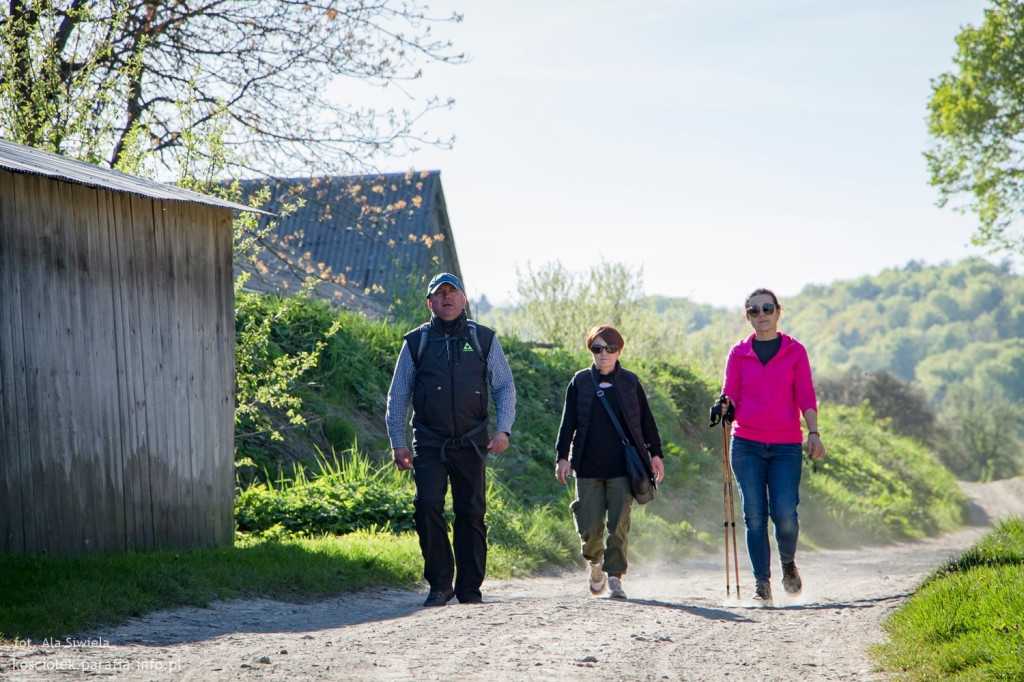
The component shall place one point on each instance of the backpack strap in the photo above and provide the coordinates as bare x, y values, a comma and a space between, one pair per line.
417, 348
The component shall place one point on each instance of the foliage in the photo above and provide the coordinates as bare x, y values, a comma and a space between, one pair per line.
60, 90
93, 79
902, 339
353, 494
558, 306
875, 486
946, 331
203, 91
878, 485
523, 538
266, 367
890, 397
984, 427
963, 622
977, 124
342, 496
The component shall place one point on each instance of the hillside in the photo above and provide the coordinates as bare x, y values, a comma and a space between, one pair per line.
875, 486
940, 349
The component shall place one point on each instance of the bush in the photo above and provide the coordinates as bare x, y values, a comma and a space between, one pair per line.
339, 498
875, 486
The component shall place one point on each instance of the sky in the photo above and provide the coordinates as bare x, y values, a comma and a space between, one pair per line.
712, 146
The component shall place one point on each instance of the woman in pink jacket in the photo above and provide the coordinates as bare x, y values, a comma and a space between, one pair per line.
768, 384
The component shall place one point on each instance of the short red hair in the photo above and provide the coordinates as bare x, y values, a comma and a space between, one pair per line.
609, 333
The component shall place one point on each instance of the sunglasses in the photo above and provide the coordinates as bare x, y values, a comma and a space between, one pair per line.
610, 349
767, 309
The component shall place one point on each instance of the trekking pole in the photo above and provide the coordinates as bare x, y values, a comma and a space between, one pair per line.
718, 414
725, 505
731, 517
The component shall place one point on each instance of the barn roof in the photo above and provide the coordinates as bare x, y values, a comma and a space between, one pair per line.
378, 234
22, 159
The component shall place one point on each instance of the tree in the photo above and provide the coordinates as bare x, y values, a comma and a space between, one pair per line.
890, 398
988, 426
558, 306
977, 122
202, 91
104, 79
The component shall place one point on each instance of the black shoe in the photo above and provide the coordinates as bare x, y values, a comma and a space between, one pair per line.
791, 579
439, 597
763, 593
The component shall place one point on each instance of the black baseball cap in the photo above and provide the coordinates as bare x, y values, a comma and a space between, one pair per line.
444, 278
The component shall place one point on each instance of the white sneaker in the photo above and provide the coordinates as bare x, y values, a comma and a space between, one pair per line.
598, 579
615, 584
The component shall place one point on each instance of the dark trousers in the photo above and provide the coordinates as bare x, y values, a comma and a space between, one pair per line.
466, 470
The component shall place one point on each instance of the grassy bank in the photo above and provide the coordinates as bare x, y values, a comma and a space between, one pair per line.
48, 597
966, 621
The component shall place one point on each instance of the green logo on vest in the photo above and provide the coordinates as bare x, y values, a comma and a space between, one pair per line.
467, 348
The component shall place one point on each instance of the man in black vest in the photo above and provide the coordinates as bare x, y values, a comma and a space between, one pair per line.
444, 371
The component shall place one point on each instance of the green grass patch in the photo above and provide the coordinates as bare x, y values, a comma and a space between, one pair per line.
50, 597
875, 486
966, 621
336, 496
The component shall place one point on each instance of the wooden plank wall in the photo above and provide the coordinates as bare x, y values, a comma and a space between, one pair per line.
116, 370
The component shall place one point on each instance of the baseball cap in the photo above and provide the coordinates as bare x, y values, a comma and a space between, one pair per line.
444, 278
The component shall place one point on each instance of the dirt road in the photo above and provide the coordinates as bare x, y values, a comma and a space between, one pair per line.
676, 625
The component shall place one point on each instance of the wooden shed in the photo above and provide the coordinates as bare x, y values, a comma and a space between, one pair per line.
116, 360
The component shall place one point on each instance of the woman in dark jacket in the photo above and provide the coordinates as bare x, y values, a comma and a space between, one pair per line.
589, 444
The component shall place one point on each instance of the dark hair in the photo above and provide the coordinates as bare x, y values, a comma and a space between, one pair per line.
608, 332
758, 292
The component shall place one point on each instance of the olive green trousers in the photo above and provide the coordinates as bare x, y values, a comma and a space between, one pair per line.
603, 505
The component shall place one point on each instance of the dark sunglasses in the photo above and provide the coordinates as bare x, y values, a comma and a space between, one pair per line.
610, 348
767, 309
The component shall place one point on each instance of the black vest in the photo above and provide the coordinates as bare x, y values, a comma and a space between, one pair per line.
627, 384
450, 394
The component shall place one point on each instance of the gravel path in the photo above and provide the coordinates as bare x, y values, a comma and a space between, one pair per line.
677, 625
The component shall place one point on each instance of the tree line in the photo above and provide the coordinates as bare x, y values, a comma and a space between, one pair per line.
936, 350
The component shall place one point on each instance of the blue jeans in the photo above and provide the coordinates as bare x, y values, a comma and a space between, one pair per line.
768, 477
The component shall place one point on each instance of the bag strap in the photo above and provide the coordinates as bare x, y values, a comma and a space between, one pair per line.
611, 413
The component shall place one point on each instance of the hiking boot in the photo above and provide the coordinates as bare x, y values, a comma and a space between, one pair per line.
598, 579
763, 593
615, 585
439, 597
791, 579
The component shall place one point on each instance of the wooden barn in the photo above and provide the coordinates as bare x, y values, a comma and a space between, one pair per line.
370, 239
116, 360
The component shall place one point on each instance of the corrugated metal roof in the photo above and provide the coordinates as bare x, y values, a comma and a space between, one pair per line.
22, 159
380, 233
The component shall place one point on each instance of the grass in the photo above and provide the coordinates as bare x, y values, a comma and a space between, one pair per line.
44, 597
966, 621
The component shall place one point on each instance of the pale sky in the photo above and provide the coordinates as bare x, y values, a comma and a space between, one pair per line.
719, 145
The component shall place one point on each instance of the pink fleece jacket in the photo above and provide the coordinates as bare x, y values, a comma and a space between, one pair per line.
769, 399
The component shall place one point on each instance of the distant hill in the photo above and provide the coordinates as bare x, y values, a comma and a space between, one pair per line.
932, 326
938, 349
